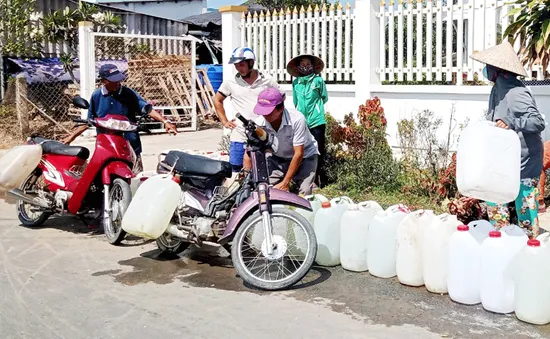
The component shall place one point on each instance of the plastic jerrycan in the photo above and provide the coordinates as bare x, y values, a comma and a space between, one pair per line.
382, 241
496, 290
435, 251
408, 263
315, 200
480, 229
327, 229
531, 274
17, 164
152, 207
488, 163
464, 267
354, 228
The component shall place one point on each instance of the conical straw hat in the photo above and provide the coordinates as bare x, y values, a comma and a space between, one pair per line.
292, 66
501, 56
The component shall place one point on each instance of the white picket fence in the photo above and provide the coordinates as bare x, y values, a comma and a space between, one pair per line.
277, 37
419, 41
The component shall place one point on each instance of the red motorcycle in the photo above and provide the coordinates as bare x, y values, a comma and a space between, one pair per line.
64, 181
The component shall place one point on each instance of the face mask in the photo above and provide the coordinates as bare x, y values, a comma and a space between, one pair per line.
305, 70
490, 73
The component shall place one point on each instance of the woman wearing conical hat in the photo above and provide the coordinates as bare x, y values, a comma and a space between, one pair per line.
309, 93
512, 106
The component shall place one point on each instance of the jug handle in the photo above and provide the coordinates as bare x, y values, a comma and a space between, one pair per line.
490, 123
366, 204
400, 207
320, 197
339, 200
444, 216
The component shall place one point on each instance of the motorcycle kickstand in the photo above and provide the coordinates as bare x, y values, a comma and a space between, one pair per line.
82, 218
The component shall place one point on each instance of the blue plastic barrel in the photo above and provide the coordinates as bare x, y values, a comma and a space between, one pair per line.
215, 74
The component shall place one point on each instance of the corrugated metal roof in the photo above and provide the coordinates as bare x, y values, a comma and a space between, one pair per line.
215, 18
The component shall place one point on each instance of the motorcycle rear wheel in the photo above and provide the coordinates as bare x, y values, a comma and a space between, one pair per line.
238, 252
120, 196
30, 184
168, 244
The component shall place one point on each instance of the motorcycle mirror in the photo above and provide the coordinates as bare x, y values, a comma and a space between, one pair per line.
80, 102
147, 109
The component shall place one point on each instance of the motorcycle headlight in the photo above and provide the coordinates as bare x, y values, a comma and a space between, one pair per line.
117, 125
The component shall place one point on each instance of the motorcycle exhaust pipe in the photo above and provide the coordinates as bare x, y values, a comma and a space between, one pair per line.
16, 192
175, 231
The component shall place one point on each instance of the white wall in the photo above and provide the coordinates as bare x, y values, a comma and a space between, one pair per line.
169, 10
402, 102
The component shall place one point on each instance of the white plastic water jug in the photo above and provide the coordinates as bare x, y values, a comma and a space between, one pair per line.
354, 228
464, 267
152, 207
408, 263
341, 204
382, 241
315, 200
327, 231
495, 290
515, 237
17, 164
480, 229
435, 251
531, 274
488, 163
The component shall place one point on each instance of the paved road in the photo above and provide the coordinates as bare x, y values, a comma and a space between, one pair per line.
65, 281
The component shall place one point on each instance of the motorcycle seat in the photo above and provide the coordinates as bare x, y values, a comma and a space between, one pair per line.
58, 148
190, 164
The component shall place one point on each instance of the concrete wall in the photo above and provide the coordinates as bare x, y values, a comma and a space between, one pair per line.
402, 102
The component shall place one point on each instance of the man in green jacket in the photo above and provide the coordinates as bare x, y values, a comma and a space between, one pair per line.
309, 93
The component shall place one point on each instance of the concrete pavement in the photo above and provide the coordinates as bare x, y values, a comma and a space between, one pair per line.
65, 281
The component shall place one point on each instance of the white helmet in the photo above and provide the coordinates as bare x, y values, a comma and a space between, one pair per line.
242, 54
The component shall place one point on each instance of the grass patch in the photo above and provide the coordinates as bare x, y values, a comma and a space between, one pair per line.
385, 198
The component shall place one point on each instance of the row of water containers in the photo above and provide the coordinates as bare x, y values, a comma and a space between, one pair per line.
505, 271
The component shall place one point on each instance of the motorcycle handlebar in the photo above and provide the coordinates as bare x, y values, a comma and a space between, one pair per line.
242, 119
81, 121
260, 132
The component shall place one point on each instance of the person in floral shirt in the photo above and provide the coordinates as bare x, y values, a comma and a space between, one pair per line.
512, 106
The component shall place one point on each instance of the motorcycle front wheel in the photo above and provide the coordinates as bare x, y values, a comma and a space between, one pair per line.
290, 261
120, 196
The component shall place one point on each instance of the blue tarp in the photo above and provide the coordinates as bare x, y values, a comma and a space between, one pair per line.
47, 70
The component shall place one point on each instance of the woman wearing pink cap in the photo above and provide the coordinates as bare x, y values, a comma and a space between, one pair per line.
297, 154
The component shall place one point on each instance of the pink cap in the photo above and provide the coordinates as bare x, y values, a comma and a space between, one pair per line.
267, 100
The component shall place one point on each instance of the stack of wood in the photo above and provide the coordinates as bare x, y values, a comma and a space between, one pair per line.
166, 81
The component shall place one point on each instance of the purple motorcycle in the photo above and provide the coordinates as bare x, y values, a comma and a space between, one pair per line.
272, 246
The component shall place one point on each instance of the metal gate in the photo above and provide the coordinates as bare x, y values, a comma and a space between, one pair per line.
162, 69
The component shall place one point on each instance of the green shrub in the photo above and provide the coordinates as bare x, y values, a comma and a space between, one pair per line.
359, 157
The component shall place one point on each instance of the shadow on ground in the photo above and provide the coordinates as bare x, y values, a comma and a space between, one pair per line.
196, 267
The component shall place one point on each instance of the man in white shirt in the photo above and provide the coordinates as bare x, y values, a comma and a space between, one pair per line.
243, 90
297, 153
